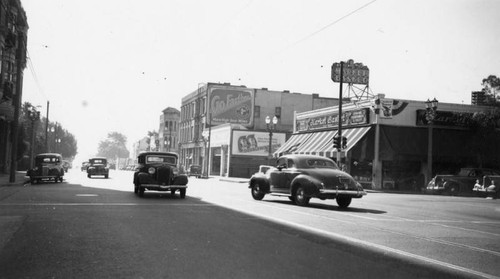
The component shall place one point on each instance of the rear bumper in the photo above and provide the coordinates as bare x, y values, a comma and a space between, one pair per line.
157, 187
337, 192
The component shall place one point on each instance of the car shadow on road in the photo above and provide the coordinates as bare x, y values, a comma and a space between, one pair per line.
331, 207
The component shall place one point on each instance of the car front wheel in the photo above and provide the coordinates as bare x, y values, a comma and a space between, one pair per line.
257, 194
300, 197
140, 191
182, 193
344, 202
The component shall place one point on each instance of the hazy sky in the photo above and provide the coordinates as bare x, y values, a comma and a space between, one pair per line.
114, 65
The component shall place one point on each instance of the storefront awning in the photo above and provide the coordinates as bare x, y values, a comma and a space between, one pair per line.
353, 136
293, 143
318, 141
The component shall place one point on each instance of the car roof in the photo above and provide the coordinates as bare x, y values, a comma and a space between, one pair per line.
158, 153
304, 157
48, 155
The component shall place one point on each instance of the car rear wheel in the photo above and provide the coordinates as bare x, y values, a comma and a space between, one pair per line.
344, 202
300, 197
257, 194
182, 193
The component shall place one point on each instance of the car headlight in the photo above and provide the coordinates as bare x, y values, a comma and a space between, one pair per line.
151, 170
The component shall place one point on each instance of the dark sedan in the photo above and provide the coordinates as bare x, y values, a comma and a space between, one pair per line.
302, 177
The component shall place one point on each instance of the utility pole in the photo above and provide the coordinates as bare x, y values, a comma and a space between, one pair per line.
47, 129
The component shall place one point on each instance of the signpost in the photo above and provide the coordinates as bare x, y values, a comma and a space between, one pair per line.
351, 73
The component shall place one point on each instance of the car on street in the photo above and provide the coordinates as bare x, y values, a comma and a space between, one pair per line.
98, 166
159, 171
48, 167
461, 183
194, 170
302, 177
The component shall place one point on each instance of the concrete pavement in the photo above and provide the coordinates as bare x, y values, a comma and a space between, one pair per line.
20, 179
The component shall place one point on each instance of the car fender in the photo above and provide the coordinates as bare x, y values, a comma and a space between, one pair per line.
262, 180
143, 177
181, 180
311, 185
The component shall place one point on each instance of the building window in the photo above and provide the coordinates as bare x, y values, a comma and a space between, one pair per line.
257, 111
277, 112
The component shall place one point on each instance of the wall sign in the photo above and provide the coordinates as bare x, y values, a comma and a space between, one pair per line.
349, 118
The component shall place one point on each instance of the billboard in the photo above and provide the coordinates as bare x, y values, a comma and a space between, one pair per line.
229, 104
251, 143
354, 73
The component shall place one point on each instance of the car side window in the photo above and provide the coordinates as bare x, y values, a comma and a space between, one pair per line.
281, 163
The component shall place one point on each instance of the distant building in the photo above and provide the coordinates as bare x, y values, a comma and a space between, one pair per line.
478, 98
13, 37
216, 115
169, 130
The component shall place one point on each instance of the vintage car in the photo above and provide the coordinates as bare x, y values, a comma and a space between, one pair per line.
302, 177
159, 171
194, 170
98, 166
461, 183
48, 166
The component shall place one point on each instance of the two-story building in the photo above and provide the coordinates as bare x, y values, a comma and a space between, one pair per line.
227, 124
169, 130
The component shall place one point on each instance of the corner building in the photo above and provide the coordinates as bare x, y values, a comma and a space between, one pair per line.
388, 141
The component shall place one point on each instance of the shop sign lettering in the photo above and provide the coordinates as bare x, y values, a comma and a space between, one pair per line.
349, 118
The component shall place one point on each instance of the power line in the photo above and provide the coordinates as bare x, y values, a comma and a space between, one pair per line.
35, 78
331, 24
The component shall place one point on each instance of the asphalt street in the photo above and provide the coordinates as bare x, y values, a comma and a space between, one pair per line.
97, 228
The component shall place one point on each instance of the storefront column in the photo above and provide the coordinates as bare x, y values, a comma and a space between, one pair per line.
377, 164
223, 160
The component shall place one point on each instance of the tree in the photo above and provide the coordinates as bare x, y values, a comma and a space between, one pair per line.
484, 126
113, 146
491, 88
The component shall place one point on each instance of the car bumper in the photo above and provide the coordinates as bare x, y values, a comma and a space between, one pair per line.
157, 187
336, 192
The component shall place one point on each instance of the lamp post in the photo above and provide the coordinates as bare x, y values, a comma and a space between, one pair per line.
270, 128
430, 115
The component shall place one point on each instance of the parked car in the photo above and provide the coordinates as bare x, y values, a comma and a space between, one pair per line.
159, 171
48, 166
461, 183
66, 165
488, 187
194, 170
98, 166
84, 166
302, 177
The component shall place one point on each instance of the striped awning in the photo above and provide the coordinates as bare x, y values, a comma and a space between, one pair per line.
293, 143
353, 135
318, 141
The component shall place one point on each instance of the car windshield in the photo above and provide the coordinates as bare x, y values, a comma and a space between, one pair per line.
161, 159
319, 163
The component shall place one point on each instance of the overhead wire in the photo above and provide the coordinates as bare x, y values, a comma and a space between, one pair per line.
35, 77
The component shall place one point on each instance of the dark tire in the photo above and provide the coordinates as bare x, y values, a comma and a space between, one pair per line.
88, 175
136, 189
32, 181
451, 190
141, 191
106, 176
300, 197
344, 202
182, 193
257, 194
292, 198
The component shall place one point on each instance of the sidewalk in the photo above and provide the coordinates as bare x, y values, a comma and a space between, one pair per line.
20, 179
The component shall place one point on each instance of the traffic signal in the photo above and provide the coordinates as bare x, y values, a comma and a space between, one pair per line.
344, 142
336, 142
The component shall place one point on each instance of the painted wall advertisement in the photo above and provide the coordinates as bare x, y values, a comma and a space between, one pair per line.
349, 119
231, 105
251, 143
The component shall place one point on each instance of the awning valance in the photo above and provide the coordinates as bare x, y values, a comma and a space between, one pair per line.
293, 143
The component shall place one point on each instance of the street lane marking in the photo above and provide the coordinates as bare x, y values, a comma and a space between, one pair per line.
104, 204
86, 195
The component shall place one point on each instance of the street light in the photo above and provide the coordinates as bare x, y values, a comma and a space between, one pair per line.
270, 129
430, 116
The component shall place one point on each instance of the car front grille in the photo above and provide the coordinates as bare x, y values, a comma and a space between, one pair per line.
163, 175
